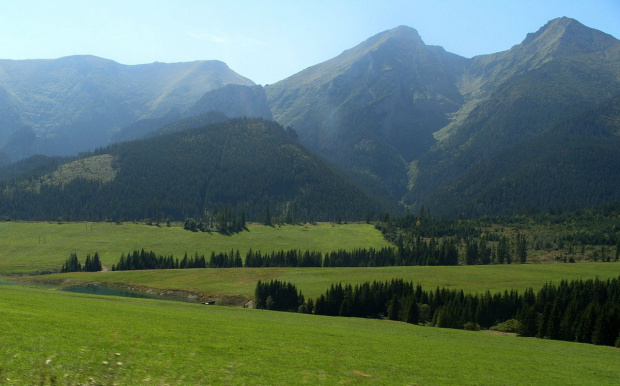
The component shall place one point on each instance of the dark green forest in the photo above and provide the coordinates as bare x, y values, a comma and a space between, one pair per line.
251, 166
591, 234
526, 168
72, 264
577, 311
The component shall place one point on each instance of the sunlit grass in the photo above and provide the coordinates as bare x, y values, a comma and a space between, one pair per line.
30, 247
65, 338
315, 281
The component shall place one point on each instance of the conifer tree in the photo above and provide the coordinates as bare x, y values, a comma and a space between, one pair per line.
393, 308
521, 248
71, 264
411, 312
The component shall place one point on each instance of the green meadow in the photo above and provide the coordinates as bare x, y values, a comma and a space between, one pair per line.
39, 246
54, 337
57, 337
33, 247
314, 281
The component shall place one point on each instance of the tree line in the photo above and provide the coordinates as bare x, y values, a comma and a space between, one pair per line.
223, 220
139, 260
447, 237
593, 234
592, 226
579, 311
278, 296
422, 253
72, 264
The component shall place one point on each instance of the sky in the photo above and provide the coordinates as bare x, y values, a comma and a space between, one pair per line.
269, 40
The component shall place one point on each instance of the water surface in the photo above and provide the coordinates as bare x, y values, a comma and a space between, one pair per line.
93, 289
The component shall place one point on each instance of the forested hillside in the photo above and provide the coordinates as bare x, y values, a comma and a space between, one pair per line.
545, 136
247, 167
521, 131
516, 131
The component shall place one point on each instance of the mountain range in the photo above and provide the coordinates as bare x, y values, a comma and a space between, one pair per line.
76, 103
417, 119
528, 129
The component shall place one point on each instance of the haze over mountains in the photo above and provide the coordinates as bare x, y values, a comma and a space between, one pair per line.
527, 129
71, 104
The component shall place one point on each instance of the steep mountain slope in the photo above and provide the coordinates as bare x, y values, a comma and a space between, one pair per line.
372, 109
575, 164
230, 101
235, 101
554, 75
77, 102
526, 129
249, 165
424, 124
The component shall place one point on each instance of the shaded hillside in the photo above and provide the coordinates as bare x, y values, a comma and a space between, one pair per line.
424, 126
515, 131
250, 166
575, 164
556, 74
372, 109
235, 101
76, 103
230, 101
33, 167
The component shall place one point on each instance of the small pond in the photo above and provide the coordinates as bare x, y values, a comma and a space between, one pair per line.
94, 289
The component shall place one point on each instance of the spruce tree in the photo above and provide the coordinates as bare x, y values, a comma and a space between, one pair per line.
71, 264
412, 312
521, 248
97, 263
393, 308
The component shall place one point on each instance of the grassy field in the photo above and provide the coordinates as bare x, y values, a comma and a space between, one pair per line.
216, 282
56, 337
53, 337
31, 247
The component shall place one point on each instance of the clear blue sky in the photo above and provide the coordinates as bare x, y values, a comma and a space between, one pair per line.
268, 40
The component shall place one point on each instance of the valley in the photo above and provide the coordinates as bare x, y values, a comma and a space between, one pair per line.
206, 339
397, 186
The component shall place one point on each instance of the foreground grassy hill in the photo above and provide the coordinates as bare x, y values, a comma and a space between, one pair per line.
65, 338
31, 247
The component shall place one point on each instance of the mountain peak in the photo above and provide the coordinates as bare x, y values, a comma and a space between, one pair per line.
564, 21
402, 33
402, 36
571, 34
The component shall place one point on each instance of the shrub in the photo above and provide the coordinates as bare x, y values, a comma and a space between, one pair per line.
511, 325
